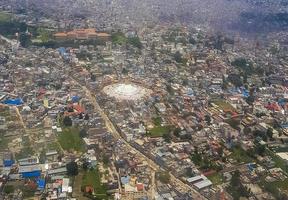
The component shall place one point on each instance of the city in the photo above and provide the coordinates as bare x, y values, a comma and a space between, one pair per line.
96, 106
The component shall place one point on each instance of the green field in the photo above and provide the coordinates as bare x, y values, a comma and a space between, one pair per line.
159, 131
274, 187
240, 155
119, 38
216, 179
223, 105
69, 139
93, 178
5, 17
279, 162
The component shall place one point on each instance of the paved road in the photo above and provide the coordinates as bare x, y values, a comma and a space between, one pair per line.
111, 128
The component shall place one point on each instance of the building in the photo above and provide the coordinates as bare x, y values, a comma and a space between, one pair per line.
82, 34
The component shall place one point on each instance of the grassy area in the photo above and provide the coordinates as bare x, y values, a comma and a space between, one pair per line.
159, 131
216, 179
24, 153
93, 178
223, 105
157, 121
240, 155
43, 34
54, 146
119, 38
27, 149
5, 17
70, 139
274, 188
5, 113
281, 184
3, 142
278, 161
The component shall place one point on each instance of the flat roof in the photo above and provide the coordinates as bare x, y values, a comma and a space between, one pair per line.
203, 184
283, 155
195, 178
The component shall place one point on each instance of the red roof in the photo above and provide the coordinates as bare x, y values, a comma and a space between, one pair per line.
78, 108
140, 187
273, 106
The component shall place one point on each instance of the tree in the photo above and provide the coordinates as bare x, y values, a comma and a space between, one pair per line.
177, 131
93, 77
250, 100
247, 130
124, 71
185, 82
86, 117
192, 40
164, 177
189, 172
196, 158
220, 151
105, 159
235, 179
269, 133
260, 149
8, 189
24, 39
85, 165
72, 168
135, 41
67, 121
83, 133
208, 119
233, 123
236, 189
167, 137
235, 79
178, 57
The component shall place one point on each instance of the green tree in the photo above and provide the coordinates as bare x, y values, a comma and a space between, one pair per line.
178, 57
177, 131
234, 123
8, 189
235, 179
93, 77
125, 71
250, 100
72, 168
135, 41
25, 39
86, 117
167, 137
169, 88
105, 159
235, 79
67, 121
164, 177
83, 133
208, 119
260, 149
269, 133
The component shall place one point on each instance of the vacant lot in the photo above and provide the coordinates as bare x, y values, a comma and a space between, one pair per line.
159, 131
240, 155
93, 178
5, 17
69, 139
223, 105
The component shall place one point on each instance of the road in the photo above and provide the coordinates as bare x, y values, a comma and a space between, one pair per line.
11, 42
111, 128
